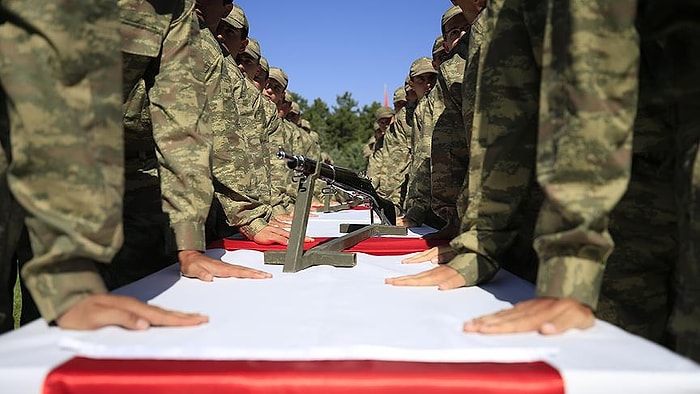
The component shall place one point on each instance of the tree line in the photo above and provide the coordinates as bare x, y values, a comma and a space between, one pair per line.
344, 128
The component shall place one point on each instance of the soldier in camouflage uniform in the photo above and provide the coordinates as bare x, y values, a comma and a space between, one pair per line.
423, 79
60, 72
449, 148
241, 151
647, 287
383, 117
168, 147
281, 177
503, 196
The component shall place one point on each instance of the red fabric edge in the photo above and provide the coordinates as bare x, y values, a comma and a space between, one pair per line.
88, 376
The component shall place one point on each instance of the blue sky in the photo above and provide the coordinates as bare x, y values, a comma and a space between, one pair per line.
330, 47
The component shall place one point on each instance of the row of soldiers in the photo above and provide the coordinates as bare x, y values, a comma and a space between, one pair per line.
545, 134
548, 130
134, 134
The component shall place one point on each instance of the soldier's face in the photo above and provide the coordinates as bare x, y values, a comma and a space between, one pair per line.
232, 38
383, 123
260, 80
274, 91
283, 109
248, 65
422, 83
455, 28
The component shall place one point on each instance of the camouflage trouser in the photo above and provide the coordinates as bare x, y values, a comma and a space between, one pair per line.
60, 73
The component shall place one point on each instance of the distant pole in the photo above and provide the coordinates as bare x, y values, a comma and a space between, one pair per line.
386, 97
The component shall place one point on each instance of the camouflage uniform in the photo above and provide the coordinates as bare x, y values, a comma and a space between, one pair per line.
502, 194
652, 274
449, 153
418, 205
167, 139
239, 201
62, 145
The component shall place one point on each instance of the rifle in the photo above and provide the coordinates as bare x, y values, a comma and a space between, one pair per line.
345, 179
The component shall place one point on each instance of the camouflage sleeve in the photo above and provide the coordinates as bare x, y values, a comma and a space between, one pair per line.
183, 138
397, 152
280, 176
231, 162
500, 173
418, 198
60, 69
449, 148
588, 107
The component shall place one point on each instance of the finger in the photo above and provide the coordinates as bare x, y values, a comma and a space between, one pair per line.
225, 270
154, 315
426, 255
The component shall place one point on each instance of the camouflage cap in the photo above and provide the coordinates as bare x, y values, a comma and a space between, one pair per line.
236, 18
437, 45
305, 124
253, 49
400, 94
264, 65
420, 66
279, 75
383, 112
288, 97
295, 107
449, 14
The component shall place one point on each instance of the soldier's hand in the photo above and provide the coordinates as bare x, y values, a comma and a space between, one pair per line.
195, 264
546, 315
403, 221
101, 310
436, 255
274, 235
442, 276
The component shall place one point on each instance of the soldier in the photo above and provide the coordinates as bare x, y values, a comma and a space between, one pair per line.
260, 78
650, 284
241, 166
503, 196
62, 150
383, 117
449, 147
423, 80
249, 60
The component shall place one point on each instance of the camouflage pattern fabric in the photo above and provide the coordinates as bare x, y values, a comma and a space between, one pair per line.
428, 111
280, 177
652, 275
235, 194
503, 197
166, 137
583, 157
59, 72
449, 148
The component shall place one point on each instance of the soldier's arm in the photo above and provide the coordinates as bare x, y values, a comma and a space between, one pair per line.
184, 147
583, 164
584, 154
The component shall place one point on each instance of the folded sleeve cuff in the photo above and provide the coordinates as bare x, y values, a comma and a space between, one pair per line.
475, 269
57, 289
252, 229
570, 277
189, 236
